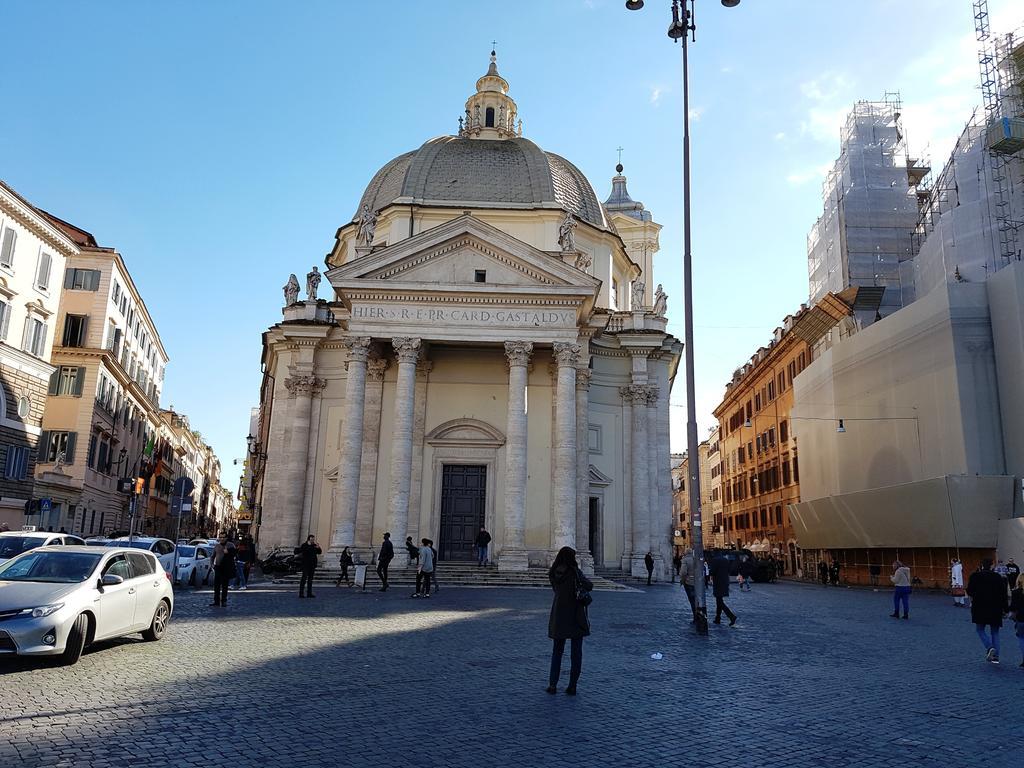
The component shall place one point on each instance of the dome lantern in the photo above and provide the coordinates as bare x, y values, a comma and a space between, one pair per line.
490, 112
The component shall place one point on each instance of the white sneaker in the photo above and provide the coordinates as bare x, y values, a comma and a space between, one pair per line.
243, 587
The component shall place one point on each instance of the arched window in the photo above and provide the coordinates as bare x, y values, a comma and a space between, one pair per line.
489, 117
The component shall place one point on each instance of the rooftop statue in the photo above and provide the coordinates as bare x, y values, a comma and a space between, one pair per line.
567, 234
291, 290
312, 284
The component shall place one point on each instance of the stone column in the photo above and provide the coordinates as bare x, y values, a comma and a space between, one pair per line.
657, 517
419, 420
626, 558
346, 491
513, 555
307, 526
564, 491
637, 394
375, 368
665, 456
583, 543
300, 390
407, 350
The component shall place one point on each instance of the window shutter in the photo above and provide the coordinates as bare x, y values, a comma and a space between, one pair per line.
69, 278
42, 340
5, 320
94, 284
54, 381
44, 270
44, 442
69, 453
79, 381
83, 330
7, 250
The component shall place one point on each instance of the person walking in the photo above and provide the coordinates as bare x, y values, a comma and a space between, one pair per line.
482, 540
1017, 612
687, 570
720, 573
223, 569
1012, 573
384, 558
308, 554
746, 572
900, 579
569, 619
412, 549
433, 573
874, 571
987, 590
424, 571
823, 573
649, 565
833, 573
1001, 569
243, 554
677, 564
345, 560
956, 583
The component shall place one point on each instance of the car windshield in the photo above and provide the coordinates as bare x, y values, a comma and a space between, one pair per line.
135, 544
15, 545
96, 542
51, 566
184, 551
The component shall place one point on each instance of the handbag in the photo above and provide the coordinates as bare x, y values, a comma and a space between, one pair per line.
583, 596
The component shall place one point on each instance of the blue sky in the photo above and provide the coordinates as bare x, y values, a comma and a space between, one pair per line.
219, 145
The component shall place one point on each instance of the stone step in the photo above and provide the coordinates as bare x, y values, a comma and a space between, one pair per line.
452, 577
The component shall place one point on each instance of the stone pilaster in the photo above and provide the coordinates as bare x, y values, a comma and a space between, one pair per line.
664, 516
513, 555
626, 558
637, 394
407, 350
656, 527
307, 525
375, 368
346, 490
419, 420
583, 543
301, 387
564, 491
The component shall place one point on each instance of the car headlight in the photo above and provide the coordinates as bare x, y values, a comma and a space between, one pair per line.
42, 610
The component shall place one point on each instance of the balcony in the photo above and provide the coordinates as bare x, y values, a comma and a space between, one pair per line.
620, 322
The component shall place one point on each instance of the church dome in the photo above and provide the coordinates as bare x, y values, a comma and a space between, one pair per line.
488, 165
454, 171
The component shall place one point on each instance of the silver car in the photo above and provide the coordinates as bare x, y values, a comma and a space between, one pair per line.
54, 601
15, 542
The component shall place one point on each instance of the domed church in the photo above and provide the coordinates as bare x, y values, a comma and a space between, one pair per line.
492, 351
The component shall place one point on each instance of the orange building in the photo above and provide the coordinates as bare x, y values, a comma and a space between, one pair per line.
759, 467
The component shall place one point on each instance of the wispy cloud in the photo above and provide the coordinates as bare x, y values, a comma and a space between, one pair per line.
830, 96
696, 113
801, 176
657, 91
780, 136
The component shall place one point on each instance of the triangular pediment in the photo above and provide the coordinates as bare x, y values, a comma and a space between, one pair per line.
452, 253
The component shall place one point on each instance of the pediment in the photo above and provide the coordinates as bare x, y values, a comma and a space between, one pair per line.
451, 253
598, 478
466, 432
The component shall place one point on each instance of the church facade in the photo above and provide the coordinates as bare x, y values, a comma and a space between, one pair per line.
491, 354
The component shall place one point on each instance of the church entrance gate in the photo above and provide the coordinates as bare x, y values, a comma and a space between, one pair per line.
463, 504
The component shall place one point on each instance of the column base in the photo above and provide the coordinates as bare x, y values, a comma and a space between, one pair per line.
586, 561
637, 566
401, 559
513, 560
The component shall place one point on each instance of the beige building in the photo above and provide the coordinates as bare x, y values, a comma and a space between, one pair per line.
33, 249
713, 511
491, 353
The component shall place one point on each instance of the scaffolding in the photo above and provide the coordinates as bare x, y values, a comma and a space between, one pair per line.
870, 211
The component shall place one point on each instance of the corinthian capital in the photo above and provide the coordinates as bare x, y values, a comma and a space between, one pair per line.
635, 393
566, 353
304, 385
652, 396
358, 348
375, 369
407, 349
518, 352
583, 378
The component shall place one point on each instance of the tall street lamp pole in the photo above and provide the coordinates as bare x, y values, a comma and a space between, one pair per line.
680, 30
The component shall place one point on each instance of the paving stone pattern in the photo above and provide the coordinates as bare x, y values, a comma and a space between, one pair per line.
809, 677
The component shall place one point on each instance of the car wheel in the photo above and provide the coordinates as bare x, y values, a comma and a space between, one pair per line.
192, 579
76, 641
159, 624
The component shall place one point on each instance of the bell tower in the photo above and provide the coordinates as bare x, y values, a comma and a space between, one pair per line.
490, 113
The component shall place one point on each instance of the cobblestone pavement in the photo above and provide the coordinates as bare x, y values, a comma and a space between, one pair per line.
809, 677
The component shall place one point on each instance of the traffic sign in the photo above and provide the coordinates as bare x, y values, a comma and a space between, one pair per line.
183, 486
45, 505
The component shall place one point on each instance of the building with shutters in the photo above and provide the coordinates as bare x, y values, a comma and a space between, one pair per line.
103, 403
33, 251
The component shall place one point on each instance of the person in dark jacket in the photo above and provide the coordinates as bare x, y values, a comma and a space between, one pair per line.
483, 539
345, 561
649, 565
308, 553
569, 619
746, 572
833, 573
987, 590
720, 568
677, 564
384, 558
412, 549
223, 569
433, 573
823, 573
1012, 573
1017, 610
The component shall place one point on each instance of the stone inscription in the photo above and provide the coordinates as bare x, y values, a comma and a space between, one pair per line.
491, 316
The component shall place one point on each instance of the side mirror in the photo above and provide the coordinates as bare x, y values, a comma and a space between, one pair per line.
111, 580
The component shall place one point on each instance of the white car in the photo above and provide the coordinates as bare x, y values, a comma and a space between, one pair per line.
162, 548
13, 543
193, 564
54, 601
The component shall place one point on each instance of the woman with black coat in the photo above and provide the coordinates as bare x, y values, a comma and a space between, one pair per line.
569, 620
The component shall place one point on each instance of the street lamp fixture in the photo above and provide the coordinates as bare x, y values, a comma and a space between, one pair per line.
747, 424
251, 442
682, 23
841, 429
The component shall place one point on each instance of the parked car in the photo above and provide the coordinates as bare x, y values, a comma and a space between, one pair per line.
54, 601
13, 543
162, 548
210, 542
193, 564
732, 555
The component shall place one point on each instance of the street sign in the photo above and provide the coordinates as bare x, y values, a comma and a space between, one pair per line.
45, 505
125, 485
180, 506
183, 486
